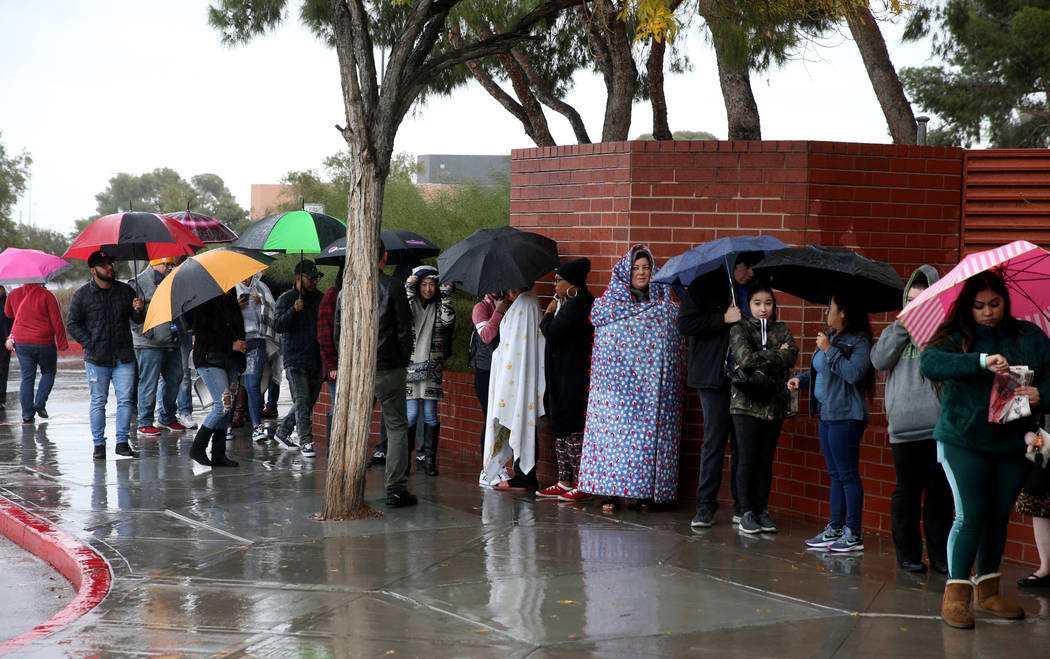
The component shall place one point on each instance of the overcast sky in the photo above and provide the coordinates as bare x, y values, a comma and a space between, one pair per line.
96, 87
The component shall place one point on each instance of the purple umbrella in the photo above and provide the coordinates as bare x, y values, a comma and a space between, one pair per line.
29, 266
208, 229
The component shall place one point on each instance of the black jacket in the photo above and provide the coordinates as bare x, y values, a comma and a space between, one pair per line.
395, 325
216, 325
702, 318
570, 336
299, 344
98, 320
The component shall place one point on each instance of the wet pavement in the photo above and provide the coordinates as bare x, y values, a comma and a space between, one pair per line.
30, 590
231, 562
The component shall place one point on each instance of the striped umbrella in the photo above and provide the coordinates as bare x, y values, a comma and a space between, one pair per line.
201, 278
1023, 266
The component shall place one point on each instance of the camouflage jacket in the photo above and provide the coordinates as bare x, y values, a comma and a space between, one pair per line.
745, 344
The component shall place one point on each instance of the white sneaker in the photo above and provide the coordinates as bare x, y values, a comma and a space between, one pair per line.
187, 420
229, 433
259, 434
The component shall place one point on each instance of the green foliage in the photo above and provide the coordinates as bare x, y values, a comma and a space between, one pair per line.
683, 135
993, 86
163, 191
14, 176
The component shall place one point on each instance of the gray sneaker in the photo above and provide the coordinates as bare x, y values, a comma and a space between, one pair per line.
703, 519
848, 542
825, 538
766, 522
748, 523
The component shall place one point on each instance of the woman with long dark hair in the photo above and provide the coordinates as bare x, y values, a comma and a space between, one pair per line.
763, 343
219, 350
984, 461
840, 381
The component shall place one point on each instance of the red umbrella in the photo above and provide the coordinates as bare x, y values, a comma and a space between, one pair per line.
207, 228
134, 236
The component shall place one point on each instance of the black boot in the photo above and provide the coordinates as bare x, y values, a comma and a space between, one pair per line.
200, 442
430, 447
218, 449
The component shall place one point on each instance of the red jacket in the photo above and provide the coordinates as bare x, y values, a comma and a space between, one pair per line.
37, 318
326, 333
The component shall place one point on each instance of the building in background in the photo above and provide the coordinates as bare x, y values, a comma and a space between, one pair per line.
462, 168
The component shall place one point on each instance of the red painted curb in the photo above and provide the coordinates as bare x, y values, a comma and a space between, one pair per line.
81, 565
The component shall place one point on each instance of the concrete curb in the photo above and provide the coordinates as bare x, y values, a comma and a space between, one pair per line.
85, 569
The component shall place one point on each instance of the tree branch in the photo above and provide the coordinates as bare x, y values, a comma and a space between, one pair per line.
549, 99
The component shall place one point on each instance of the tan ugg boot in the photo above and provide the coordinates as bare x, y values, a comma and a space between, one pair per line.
955, 607
989, 599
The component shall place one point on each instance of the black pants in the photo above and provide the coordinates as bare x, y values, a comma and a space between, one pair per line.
481, 390
756, 441
718, 429
5, 367
917, 472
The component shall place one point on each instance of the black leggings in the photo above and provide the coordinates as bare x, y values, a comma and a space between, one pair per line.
756, 440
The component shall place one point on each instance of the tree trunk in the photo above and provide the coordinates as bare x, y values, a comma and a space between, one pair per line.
735, 79
884, 79
355, 388
654, 67
617, 125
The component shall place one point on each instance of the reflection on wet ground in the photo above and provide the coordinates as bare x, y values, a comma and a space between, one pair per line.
231, 562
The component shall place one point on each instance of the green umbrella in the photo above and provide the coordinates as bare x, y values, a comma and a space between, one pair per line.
292, 231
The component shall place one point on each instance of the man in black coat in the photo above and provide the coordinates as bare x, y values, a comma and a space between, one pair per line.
295, 318
99, 319
393, 353
711, 305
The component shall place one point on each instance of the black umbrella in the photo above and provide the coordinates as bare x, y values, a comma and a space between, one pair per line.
814, 273
490, 260
401, 246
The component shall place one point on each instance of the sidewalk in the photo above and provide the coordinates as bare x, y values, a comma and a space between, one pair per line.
231, 562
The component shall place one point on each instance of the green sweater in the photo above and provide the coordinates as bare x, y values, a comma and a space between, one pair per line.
968, 387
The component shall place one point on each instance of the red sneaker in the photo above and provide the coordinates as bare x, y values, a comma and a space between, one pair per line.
553, 492
148, 430
574, 495
174, 425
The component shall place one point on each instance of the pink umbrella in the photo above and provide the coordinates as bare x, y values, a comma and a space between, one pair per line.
29, 266
1023, 266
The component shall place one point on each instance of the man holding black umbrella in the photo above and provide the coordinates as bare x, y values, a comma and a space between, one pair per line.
712, 303
99, 319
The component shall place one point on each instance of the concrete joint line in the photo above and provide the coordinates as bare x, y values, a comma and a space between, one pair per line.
453, 614
202, 525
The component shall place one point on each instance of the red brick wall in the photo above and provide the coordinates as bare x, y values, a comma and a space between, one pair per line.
899, 204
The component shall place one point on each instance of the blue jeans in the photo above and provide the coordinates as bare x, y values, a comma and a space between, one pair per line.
30, 356
430, 412
840, 443
273, 392
123, 378
185, 397
154, 364
222, 385
256, 357
306, 387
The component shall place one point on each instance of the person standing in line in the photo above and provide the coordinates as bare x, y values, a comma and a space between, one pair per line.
219, 350
257, 309
1034, 502
158, 355
711, 306
296, 320
5, 354
634, 409
36, 329
984, 461
765, 344
567, 327
840, 380
912, 411
486, 317
393, 352
433, 319
516, 392
99, 319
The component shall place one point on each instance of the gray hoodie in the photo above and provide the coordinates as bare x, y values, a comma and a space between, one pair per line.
145, 286
912, 406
